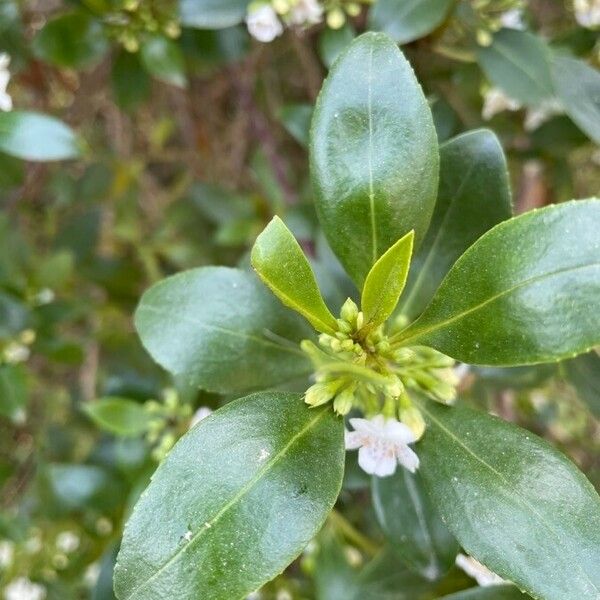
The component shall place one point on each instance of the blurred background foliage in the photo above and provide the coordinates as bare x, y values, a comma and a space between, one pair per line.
182, 136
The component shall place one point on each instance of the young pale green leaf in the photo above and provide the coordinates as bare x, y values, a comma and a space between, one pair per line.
386, 280
374, 155
518, 63
513, 502
118, 415
526, 292
493, 592
578, 86
253, 484
584, 373
221, 330
408, 20
474, 195
164, 60
413, 527
281, 264
36, 137
212, 14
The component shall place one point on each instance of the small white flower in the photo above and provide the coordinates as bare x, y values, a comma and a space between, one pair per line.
7, 551
15, 353
24, 589
5, 100
480, 573
263, 23
306, 12
513, 19
587, 13
90, 577
382, 444
200, 414
496, 101
67, 542
543, 112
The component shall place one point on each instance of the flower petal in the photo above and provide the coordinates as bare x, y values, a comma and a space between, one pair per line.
377, 460
407, 458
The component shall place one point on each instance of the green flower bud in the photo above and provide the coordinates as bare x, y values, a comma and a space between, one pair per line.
349, 311
411, 416
344, 400
321, 393
353, 9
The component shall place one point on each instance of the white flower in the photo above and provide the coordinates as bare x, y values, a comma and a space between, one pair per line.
90, 577
306, 12
24, 589
200, 414
7, 551
67, 542
15, 353
543, 112
382, 445
587, 13
5, 100
480, 573
496, 101
263, 23
513, 19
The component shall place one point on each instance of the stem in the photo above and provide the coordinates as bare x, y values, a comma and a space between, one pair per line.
352, 534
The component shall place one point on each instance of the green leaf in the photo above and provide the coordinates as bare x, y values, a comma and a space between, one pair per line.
130, 83
212, 14
14, 390
222, 330
296, 120
386, 280
412, 525
474, 195
118, 415
281, 264
408, 20
526, 292
72, 40
253, 484
518, 63
332, 42
374, 156
578, 86
164, 60
36, 137
493, 592
513, 502
584, 373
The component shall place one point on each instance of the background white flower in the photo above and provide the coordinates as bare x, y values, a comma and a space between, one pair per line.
24, 589
480, 573
496, 101
587, 13
382, 445
513, 19
306, 12
7, 551
200, 414
67, 542
5, 100
263, 23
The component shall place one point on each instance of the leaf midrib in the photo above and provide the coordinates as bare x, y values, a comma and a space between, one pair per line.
244, 490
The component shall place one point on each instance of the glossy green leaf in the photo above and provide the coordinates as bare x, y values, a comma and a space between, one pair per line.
118, 415
578, 86
474, 195
71, 40
584, 373
212, 14
411, 524
386, 280
518, 63
163, 59
493, 592
36, 137
332, 42
254, 482
222, 330
374, 156
408, 20
526, 292
281, 264
513, 502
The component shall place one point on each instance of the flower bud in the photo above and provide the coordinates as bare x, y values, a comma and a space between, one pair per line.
344, 400
412, 417
349, 311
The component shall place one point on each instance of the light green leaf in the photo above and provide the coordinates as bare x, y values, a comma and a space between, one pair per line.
222, 330
374, 156
518, 63
474, 195
514, 503
164, 60
386, 280
118, 415
493, 592
584, 373
526, 292
14, 390
281, 264
212, 14
253, 484
413, 527
408, 20
578, 86
36, 137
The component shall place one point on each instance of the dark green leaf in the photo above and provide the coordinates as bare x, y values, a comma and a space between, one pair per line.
253, 484
526, 292
281, 264
519, 64
130, 83
408, 20
36, 137
584, 373
212, 14
334, 41
163, 59
513, 502
474, 195
374, 156
296, 119
493, 592
412, 525
222, 330
118, 415
578, 86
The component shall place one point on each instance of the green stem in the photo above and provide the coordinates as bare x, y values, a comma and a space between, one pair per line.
352, 534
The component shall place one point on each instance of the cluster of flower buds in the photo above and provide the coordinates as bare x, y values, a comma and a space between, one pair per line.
17, 350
